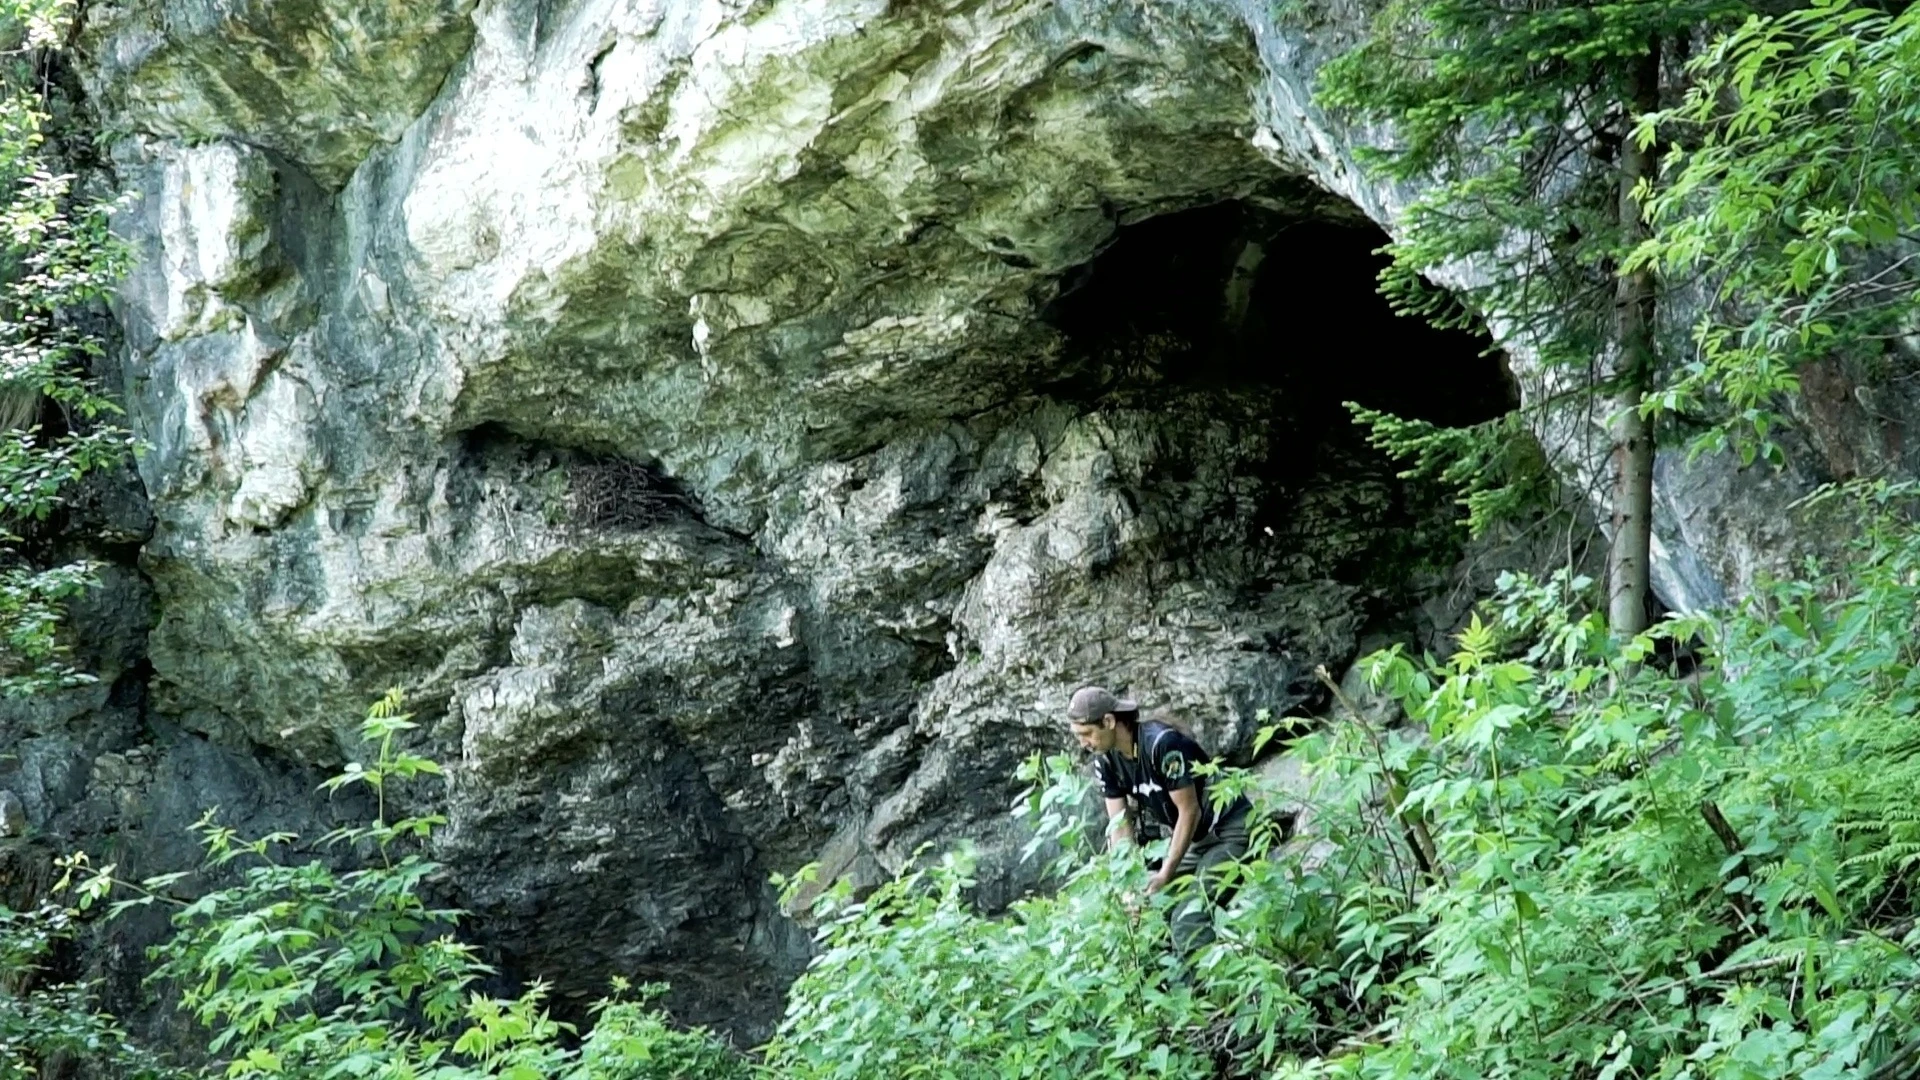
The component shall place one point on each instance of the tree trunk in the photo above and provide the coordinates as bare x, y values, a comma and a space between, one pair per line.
1632, 434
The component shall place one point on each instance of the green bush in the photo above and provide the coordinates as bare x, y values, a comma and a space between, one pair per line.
43, 1028
300, 969
631, 1040
1576, 860
1079, 983
912, 982
1644, 878
58, 262
1791, 201
1570, 863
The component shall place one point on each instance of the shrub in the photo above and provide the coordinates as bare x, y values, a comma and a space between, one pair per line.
1577, 860
58, 262
44, 1028
300, 969
1080, 983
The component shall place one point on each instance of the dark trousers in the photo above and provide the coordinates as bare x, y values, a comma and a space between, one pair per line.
1193, 912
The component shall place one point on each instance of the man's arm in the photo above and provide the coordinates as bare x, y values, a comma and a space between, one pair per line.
1119, 822
1186, 801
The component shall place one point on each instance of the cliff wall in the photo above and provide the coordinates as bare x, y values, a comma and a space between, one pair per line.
739, 424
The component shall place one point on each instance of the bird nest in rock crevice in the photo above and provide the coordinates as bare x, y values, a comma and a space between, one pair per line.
614, 493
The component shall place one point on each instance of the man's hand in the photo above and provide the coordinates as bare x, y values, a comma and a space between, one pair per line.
1158, 881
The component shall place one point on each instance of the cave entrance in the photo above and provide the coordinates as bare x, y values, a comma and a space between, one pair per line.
1232, 295
1275, 317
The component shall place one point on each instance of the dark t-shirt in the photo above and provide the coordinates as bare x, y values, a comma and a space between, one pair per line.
1165, 764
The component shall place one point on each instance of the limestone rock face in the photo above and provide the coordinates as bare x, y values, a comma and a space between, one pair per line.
669, 395
321, 81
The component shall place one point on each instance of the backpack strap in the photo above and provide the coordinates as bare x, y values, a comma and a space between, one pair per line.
1152, 746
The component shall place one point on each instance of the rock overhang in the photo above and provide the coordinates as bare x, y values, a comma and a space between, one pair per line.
796, 258
878, 258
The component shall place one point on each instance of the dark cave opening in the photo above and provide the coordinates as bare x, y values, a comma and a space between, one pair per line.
1276, 319
1230, 295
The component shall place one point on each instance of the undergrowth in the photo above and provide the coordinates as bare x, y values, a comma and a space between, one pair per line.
298, 968
48, 1025
1574, 860
1691, 855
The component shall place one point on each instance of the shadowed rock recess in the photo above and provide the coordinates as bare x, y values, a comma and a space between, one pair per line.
738, 426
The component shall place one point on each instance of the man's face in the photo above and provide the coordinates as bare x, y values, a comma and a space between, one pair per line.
1095, 736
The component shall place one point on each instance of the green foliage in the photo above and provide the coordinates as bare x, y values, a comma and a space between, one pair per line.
631, 1040
1496, 467
911, 981
1515, 117
1081, 982
1512, 112
1644, 882
1792, 195
301, 969
57, 261
42, 1027
1629, 875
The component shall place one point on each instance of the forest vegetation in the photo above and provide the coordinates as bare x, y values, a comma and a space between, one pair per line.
1603, 845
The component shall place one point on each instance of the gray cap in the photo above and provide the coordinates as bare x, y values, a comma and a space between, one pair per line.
1090, 703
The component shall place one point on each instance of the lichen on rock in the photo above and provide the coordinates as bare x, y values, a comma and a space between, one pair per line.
319, 81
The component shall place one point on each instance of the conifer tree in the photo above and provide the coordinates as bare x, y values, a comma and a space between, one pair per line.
1521, 115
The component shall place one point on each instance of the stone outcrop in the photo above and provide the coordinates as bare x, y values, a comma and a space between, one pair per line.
697, 406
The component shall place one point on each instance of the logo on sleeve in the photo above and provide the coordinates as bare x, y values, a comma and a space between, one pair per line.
1174, 765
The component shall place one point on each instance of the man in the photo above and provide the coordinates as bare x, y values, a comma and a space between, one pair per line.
1153, 764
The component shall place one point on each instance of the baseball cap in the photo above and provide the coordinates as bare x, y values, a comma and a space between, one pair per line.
1090, 703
